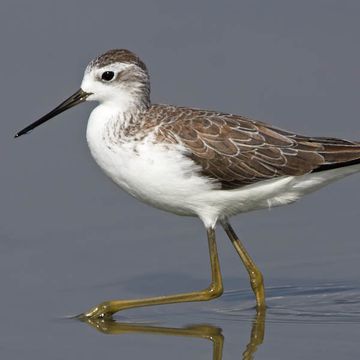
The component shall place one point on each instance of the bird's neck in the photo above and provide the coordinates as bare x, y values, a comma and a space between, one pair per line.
127, 102
115, 121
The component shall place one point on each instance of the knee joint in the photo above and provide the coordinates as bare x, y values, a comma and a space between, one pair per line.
214, 291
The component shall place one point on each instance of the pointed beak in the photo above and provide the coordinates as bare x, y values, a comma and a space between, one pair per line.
75, 99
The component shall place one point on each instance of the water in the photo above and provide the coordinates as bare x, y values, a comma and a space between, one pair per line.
313, 297
309, 320
329, 303
234, 329
56, 262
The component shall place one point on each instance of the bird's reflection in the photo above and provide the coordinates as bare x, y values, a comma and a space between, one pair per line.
256, 335
207, 332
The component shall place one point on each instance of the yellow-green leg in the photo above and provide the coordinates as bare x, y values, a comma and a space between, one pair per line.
256, 278
214, 290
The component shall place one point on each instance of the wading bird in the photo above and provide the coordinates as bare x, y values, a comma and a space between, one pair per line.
196, 162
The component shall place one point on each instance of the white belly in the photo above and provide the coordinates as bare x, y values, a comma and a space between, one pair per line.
159, 175
162, 176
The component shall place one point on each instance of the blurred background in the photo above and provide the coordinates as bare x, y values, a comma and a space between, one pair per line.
70, 238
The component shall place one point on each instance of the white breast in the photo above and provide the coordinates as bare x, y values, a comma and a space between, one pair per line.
157, 174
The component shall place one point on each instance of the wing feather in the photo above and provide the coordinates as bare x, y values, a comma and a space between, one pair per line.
236, 151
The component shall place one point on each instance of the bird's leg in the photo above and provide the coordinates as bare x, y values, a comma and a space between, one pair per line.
256, 278
214, 290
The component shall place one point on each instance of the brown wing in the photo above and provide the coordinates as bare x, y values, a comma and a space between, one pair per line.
237, 151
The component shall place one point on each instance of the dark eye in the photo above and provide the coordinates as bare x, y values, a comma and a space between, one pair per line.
107, 75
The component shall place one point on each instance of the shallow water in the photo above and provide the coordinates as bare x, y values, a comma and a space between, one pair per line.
306, 314
235, 328
309, 320
313, 297
329, 303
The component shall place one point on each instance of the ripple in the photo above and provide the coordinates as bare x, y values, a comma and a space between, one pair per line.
327, 303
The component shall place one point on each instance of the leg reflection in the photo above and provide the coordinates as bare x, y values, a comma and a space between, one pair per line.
207, 332
256, 336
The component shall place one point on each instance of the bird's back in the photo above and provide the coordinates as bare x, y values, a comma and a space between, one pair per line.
237, 151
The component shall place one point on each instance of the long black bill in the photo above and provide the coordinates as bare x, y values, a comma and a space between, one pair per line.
77, 98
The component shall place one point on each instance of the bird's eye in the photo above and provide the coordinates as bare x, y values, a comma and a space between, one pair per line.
107, 75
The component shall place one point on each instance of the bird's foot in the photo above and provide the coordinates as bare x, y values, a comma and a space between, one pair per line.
103, 310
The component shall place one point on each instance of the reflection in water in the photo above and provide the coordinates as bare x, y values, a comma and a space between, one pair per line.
303, 303
208, 332
256, 336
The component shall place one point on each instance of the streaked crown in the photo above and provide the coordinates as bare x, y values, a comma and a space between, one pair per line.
118, 56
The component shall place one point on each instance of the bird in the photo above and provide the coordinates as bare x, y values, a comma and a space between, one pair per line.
195, 162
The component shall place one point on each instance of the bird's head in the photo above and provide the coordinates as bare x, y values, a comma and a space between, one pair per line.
116, 78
